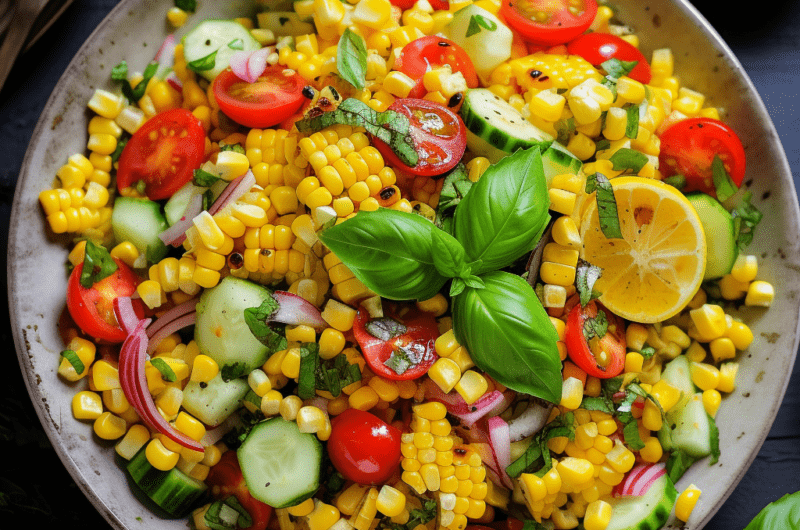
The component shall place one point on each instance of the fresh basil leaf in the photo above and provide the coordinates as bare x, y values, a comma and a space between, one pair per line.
307, 375
615, 69
186, 5
203, 63
385, 328
783, 514
505, 212
628, 159
745, 217
476, 22
72, 357
596, 326
351, 59
457, 286
204, 179
389, 126
448, 256
335, 374
121, 143
714, 439
258, 320
630, 431
606, 205
167, 373
389, 251
509, 335
677, 464
632, 123
723, 183
97, 264
586, 275
236, 148
120, 73
600, 403
454, 188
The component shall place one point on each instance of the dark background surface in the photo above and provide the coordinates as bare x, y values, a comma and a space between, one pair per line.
35, 488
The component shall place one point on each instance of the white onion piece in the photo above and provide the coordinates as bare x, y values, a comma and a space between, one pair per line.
171, 327
530, 421
500, 442
238, 64
296, 310
233, 191
178, 311
176, 234
639, 479
126, 316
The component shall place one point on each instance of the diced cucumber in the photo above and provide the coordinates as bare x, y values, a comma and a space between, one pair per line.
280, 464
177, 204
221, 331
690, 428
720, 232
647, 512
485, 38
557, 160
677, 373
223, 37
139, 221
493, 119
214, 401
173, 491
284, 23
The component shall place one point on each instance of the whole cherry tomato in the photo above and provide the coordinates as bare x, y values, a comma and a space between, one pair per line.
601, 356
600, 47
92, 308
225, 478
163, 154
563, 20
364, 448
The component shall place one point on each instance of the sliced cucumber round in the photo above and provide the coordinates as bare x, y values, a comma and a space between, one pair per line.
720, 234
173, 491
647, 512
280, 464
139, 221
219, 37
494, 120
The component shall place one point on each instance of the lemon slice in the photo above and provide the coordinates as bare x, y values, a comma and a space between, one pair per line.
656, 268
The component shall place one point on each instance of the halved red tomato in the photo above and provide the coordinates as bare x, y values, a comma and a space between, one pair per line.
598, 356
92, 308
406, 355
274, 97
424, 53
689, 146
439, 136
600, 47
549, 22
163, 154
225, 478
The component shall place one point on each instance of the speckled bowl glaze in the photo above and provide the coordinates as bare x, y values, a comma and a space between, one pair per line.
134, 30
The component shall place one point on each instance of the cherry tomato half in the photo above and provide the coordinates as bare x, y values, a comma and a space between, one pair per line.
600, 47
689, 146
549, 22
163, 153
439, 136
416, 344
364, 448
225, 478
273, 98
92, 308
584, 352
425, 53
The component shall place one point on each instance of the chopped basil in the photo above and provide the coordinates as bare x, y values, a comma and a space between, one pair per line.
564, 130
405, 357
351, 59
236, 148
476, 22
227, 514
167, 373
329, 375
632, 124
121, 143
417, 517
745, 219
615, 69
186, 5
120, 73
97, 264
628, 159
204, 179
74, 360
454, 188
586, 275
203, 63
606, 205
385, 328
677, 464
676, 181
537, 459
233, 371
722, 180
597, 326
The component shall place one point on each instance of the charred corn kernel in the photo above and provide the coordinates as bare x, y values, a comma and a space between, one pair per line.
109, 426
87, 405
709, 321
134, 439
471, 386
686, 501
760, 293
705, 376
364, 398
445, 373
571, 393
727, 376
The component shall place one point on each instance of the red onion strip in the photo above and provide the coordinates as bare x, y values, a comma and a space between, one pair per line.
257, 62
170, 315
500, 442
165, 56
126, 316
171, 327
176, 234
296, 310
639, 479
238, 64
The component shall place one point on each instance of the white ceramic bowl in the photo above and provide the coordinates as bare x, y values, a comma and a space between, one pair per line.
135, 29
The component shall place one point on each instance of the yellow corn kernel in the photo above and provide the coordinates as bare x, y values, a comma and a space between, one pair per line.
350, 498
722, 348
311, 419
365, 516
634, 362
709, 321
557, 273
597, 516
471, 386
290, 365
571, 393
338, 315
390, 502
686, 501
436, 305
204, 369
364, 398
620, 458
105, 375
652, 450
760, 293
134, 439
705, 376
109, 426
87, 405
740, 334
745, 268
445, 373
727, 376
106, 104
712, 399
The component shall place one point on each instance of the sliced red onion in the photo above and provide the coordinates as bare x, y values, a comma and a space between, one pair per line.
233, 191
171, 327
500, 442
639, 479
530, 421
165, 56
296, 310
238, 64
178, 311
488, 405
172, 79
257, 62
176, 234
133, 381
126, 316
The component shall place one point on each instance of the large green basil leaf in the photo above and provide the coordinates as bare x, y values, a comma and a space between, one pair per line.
390, 251
505, 212
783, 514
509, 335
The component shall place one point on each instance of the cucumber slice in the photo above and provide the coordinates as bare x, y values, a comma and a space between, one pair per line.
720, 234
139, 221
176, 205
280, 464
173, 491
648, 512
221, 331
485, 38
557, 160
677, 373
221, 36
480, 147
214, 401
491, 118
284, 23
690, 427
